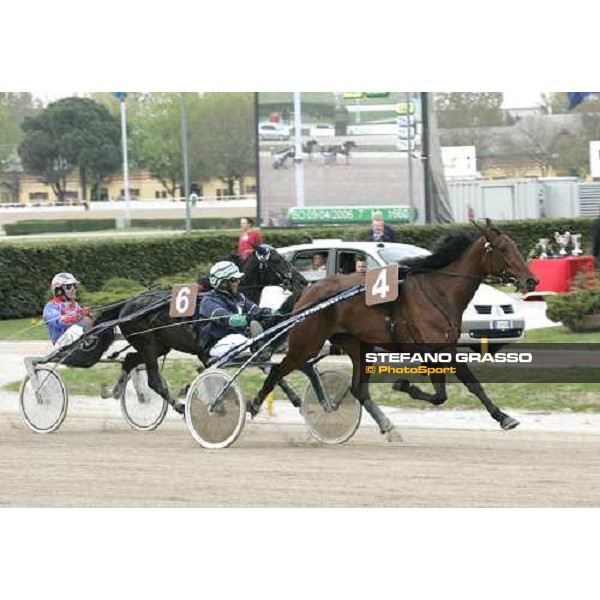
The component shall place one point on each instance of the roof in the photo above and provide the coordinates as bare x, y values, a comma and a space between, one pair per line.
341, 245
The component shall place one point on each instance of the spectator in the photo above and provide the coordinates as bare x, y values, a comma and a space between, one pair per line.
319, 262
360, 264
249, 238
380, 232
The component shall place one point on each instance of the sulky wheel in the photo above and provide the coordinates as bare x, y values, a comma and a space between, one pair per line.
44, 412
340, 424
215, 420
141, 406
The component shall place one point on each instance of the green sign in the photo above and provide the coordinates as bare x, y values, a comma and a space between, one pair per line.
351, 214
404, 109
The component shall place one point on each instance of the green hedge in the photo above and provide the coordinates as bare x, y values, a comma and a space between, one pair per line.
31, 227
26, 268
58, 226
179, 224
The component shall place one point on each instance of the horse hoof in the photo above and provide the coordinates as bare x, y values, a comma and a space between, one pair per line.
179, 407
394, 436
106, 393
252, 409
509, 423
182, 394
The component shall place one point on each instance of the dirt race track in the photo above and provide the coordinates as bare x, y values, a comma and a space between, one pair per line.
94, 462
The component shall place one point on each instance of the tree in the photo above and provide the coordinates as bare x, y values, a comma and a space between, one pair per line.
468, 109
72, 133
558, 102
538, 138
223, 138
14, 107
156, 137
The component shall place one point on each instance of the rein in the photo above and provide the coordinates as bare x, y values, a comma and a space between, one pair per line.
489, 249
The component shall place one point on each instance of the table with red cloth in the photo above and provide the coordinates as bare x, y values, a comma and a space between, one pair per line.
556, 274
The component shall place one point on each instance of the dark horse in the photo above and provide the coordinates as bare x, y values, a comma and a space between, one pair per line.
433, 297
155, 334
330, 152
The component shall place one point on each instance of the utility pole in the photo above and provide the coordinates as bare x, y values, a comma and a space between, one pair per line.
186, 168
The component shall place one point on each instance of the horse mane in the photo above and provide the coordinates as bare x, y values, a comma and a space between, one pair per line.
446, 250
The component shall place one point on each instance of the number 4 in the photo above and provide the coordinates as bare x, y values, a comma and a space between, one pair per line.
381, 287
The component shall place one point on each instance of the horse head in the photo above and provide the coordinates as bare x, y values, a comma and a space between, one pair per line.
265, 266
503, 259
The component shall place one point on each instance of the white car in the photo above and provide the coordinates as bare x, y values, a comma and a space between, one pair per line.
322, 130
273, 131
491, 314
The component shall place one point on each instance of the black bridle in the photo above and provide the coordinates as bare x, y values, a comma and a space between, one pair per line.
265, 266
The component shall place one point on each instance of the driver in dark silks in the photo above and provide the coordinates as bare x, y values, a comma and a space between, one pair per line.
233, 318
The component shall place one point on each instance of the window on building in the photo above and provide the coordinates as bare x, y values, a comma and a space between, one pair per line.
134, 194
68, 195
38, 196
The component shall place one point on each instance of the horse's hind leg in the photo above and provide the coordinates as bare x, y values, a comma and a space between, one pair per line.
159, 385
466, 376
299, 352
360, 389
131, 361
287, 390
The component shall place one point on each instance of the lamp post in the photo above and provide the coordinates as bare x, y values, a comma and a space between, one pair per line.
186, 170
121, 96
409, 149
298, 160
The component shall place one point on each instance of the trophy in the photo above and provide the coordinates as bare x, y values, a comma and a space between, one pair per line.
576, 239
544, 246
562, 240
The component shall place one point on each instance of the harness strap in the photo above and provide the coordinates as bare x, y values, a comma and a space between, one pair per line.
390, 323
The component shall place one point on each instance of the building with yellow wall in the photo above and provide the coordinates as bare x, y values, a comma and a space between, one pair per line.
25, 189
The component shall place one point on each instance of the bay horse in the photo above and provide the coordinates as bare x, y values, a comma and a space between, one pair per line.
432, 299
155, 334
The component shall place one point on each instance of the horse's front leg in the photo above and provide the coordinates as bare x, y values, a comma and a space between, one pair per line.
437, 398
466, 376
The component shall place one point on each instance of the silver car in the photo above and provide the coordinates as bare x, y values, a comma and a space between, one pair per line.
491, 315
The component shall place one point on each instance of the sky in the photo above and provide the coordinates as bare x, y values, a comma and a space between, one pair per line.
521, 99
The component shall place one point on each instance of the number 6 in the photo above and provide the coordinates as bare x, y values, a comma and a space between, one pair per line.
182, 302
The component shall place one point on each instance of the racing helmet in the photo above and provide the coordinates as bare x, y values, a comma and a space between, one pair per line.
61, 279
223, 271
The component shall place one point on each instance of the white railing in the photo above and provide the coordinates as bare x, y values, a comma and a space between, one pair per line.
146, 203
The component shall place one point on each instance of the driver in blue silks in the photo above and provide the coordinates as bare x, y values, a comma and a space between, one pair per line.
234, 317
64, 317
